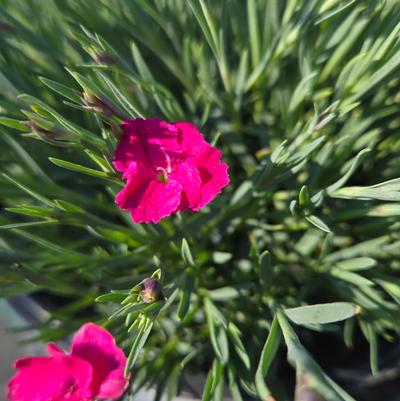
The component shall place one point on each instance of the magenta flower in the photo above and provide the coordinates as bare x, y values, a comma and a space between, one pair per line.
93, 369
169, 167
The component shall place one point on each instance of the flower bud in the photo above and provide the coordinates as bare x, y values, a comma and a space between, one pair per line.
151, 291
6, 27
49, 131
116, 129
101, 105
103, 58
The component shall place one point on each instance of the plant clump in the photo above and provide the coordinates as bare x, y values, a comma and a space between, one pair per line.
298, 252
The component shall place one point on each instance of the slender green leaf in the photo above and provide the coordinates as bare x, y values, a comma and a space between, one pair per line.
373, 349
268, 353
321, 313
138, 344
81, 169
186, 253
317, 222
356, 264
217, 331
111, 297
61, 89
29, 191
234, 335
12, 123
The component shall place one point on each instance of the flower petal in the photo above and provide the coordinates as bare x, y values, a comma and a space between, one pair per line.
189, 177
97, 346
158, 200
138, 171
59, 378
54, 350
190, 139
213, 174
151, 141
149, 200
128, 149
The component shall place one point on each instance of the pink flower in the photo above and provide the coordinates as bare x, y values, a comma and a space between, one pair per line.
94, 368
169, 167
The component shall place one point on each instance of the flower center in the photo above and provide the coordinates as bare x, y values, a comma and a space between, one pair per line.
162, 174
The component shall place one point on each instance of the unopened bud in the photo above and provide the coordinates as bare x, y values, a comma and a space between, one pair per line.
52, 133
151, 291
6, 27
101, 105
116, 129
103, 58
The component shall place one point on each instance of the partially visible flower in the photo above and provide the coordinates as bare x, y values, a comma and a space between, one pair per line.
94, 368
169, 167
